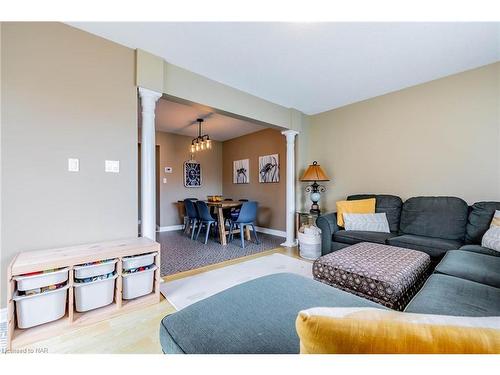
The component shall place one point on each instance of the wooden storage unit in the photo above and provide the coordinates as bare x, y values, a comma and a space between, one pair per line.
34, 261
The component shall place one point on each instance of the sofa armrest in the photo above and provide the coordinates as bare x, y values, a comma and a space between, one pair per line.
328, 225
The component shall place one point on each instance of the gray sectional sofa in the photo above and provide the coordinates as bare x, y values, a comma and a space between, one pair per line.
259, 316
430, 224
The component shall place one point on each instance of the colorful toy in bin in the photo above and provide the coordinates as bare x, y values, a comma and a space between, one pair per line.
95, 278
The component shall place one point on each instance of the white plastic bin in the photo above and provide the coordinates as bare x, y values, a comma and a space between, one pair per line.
138, 261
138, 284
40, 308
82, 272
309, 246
43, 279
94, 294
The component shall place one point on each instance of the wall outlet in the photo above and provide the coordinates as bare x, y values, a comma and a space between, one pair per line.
73, 165
164, 180
168, 169
112, 166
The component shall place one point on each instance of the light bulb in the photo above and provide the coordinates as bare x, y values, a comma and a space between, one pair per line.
209, 144
192, 148
202, 145
197, 146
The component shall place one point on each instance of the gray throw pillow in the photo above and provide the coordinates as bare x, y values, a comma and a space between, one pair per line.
491, 238
367, 222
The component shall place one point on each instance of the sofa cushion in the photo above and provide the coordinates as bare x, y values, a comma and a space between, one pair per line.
481, 268
479, 220
435, 247
450, 295
479, 249
355, 236
337, 246
390, 204
254, 317
440, 217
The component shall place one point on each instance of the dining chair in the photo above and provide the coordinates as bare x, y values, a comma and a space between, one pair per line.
246, 216
205, 219
236, 211
192, 214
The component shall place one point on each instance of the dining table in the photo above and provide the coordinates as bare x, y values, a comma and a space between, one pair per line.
219, 208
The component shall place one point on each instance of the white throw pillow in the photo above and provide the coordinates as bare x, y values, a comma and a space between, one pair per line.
491, 238
367, 222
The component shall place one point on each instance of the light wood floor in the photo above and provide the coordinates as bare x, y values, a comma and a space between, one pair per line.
134, 332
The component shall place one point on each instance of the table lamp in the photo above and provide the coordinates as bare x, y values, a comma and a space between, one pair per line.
315, 173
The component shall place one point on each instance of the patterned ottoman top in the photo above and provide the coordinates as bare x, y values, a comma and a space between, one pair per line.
385, 274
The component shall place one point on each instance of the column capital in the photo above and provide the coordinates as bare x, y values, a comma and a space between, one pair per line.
149, 94
290, 133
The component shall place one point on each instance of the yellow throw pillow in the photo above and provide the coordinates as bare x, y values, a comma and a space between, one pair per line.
360, 206
325, 330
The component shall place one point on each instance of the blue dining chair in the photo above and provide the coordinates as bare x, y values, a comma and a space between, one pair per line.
236, 211
246, 216
205, 219
192, 214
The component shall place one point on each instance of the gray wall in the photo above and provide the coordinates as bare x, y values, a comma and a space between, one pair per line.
65, 93
174, 151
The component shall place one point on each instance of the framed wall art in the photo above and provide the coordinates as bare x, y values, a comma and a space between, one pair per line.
269, 168
241, 171
192, 174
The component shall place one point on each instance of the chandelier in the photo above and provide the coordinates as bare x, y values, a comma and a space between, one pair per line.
202, 141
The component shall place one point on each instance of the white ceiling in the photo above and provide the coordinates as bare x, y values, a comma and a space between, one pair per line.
313, 67
181, 119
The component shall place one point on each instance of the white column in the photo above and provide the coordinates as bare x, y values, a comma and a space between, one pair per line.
148, 145
290, 187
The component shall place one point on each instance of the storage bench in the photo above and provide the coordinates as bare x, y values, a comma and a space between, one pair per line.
52, 291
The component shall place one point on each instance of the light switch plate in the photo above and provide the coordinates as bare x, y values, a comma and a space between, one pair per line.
164, 180
112, 166
73, 165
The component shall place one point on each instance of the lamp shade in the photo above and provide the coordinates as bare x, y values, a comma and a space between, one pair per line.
314, 173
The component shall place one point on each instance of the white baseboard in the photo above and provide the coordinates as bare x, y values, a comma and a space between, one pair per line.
274, 232
170, 228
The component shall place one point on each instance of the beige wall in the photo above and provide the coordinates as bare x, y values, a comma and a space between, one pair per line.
271, 196
156, 74
65, 93
438, 138
174, 151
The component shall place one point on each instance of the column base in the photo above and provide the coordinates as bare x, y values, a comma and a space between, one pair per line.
289, 244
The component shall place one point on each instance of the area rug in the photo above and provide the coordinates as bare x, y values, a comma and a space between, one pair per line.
186, 291
179, 253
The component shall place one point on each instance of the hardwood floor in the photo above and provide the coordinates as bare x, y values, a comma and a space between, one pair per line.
134, 332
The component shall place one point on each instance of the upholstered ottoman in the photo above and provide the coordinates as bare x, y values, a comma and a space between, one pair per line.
384, 274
